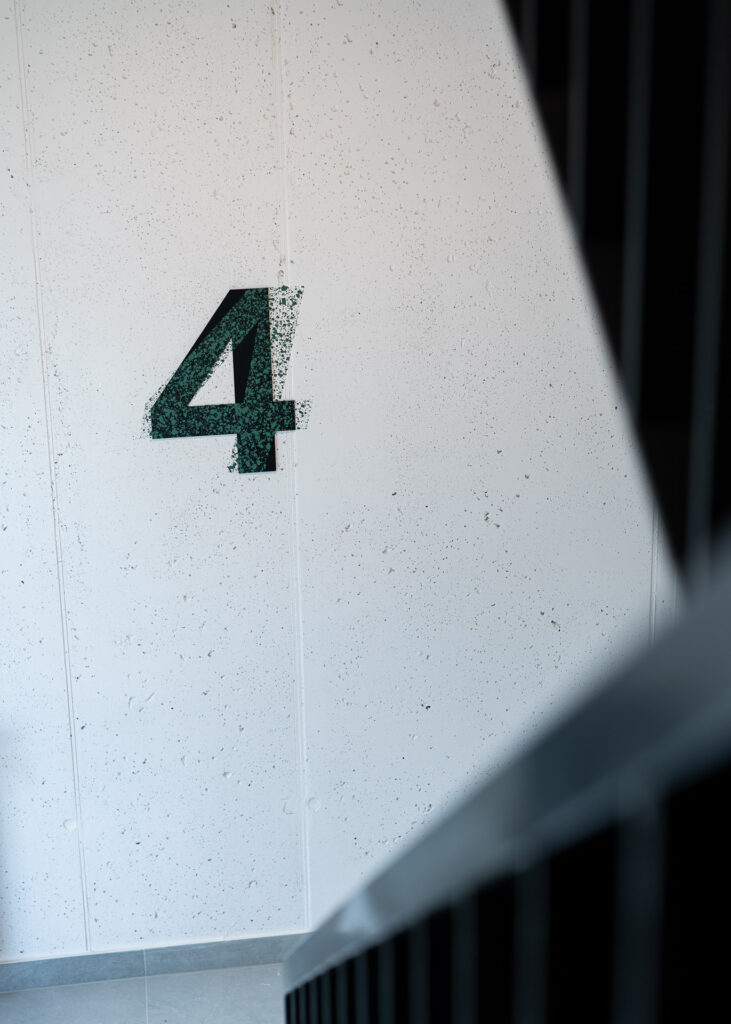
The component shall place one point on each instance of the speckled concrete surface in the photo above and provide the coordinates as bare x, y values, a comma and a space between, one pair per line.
39, 908
155, 191
458, 539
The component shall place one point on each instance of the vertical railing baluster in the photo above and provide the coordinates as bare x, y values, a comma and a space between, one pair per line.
710, 284
639, 901
531, 945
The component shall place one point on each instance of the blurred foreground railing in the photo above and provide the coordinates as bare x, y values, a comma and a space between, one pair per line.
590, 881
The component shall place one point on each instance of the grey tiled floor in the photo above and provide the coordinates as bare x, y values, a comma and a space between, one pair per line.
235, 995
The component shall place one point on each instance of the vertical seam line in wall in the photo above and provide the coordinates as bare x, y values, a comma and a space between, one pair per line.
40, 321
298, 629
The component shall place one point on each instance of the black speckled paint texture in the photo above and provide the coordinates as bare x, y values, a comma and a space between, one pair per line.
243, 320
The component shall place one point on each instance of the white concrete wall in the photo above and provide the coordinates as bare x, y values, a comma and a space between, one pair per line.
154, 189
225, 699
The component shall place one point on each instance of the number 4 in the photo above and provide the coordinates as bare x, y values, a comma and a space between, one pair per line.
255, 416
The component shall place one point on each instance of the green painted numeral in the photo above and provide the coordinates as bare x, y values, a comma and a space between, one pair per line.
243, 320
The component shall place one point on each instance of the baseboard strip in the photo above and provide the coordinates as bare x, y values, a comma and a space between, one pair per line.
137, 963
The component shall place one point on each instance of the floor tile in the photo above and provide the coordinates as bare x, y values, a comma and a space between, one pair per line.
234, 995
97, 1002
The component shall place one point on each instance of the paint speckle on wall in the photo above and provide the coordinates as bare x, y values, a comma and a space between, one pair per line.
284, 304
302, 410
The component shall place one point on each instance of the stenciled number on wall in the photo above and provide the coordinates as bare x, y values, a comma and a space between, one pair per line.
243, 321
